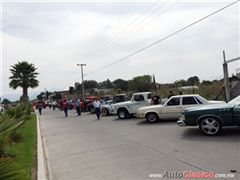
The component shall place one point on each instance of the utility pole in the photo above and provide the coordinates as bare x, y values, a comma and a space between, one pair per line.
225, 73
83, 93
226, 80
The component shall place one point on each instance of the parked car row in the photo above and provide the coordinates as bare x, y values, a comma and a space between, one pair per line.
189, 110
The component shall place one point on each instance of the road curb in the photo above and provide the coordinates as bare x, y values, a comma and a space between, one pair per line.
42, 168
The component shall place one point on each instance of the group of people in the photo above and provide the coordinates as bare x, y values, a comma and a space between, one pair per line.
96, 105
64, 105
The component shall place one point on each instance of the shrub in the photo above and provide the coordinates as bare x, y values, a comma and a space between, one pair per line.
11, 120
20, 112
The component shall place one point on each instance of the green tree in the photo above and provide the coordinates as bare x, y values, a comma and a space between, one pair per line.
106, 84
23, 75
71, 89
140, 83
6, 101
121, 84
194, 80
57, 96
77, 86
40, 96
90, 84
206, 82
180, 83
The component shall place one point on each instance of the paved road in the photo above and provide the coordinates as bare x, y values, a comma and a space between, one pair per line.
86, 148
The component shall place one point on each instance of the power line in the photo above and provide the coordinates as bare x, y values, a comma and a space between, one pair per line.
164, 38
134, 28
139, 25
118, 35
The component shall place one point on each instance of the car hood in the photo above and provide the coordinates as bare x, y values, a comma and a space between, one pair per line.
122, 103
209, 107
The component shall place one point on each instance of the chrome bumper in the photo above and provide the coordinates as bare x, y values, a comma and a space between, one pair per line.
181, 123
141, 116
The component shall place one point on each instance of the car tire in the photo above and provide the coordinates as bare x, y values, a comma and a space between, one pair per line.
210, 126
105, 112
122, 114
152, 117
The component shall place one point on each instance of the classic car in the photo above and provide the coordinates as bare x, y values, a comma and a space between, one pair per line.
106, 107
106, 98
172, 108
211, 119
129, 108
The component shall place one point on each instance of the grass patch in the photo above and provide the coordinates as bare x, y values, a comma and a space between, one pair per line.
24, 152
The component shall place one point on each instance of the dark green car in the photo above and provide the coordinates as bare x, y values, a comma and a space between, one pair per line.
211, 118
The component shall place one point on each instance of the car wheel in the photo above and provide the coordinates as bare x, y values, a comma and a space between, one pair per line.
210, 126
105, 112
152, 117
122, 114
92, 110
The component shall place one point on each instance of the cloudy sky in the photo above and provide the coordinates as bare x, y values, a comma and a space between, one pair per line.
56, 35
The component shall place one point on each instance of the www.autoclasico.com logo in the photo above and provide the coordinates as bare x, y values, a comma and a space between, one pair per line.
189, 174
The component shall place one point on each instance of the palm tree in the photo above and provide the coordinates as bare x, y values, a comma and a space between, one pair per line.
24, 76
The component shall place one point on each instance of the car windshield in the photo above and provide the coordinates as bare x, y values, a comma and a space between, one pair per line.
235, 101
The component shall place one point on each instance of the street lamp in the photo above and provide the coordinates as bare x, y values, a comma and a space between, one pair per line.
83, 94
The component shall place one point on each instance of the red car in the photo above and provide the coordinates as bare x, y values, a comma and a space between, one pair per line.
89, 100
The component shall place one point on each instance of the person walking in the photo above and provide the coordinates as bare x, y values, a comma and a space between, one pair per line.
39, 107
97, 105
65, 107
78, 107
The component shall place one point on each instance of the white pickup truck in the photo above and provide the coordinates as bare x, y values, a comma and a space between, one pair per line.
127, 108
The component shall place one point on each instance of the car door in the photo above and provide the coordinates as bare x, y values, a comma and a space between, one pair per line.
171, 109
188, 101
138, 102
236, 114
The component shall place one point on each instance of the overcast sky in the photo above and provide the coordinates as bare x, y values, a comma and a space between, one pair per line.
55, 36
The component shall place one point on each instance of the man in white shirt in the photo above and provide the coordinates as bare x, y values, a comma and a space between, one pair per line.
97, 105
78, 106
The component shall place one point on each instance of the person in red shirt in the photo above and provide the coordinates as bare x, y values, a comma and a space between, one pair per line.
65, 107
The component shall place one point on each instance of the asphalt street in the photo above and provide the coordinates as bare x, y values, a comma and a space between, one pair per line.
86, 148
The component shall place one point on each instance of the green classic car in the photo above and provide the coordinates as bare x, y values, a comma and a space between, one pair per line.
211, 118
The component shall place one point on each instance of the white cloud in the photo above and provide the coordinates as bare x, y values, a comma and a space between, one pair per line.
56, 39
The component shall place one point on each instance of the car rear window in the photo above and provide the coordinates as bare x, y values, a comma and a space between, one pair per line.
189, 100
